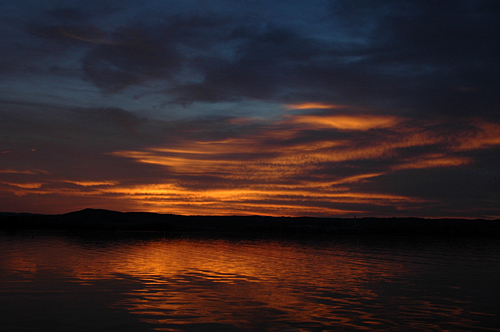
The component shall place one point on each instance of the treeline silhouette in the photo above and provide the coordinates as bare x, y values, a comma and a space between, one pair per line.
95, 219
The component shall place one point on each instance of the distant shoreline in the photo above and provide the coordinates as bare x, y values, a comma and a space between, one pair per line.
94, 219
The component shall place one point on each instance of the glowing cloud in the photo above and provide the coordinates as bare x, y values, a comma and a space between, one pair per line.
272, 172
93, 183
486, 135
302, 164
306, 106
13, 171
347, 122
433, 161
34, 185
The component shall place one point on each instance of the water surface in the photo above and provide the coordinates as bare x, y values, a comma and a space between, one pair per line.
98, 281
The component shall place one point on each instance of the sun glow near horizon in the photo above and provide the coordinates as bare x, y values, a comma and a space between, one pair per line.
281, 169
251, 108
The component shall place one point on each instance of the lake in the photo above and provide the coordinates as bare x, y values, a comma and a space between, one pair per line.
151, 281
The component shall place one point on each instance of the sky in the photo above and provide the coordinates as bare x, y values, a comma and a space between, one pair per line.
323, 108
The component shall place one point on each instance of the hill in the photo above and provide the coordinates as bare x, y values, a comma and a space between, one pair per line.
93, 219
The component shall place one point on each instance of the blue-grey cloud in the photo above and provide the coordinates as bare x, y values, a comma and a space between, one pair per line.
401, 99
418, 56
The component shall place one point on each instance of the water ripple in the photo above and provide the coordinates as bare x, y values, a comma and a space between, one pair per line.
189, 284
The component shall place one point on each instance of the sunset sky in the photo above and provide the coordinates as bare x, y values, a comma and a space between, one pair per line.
230, 107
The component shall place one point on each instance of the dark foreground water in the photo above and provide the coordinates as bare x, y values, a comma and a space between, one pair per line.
148, 281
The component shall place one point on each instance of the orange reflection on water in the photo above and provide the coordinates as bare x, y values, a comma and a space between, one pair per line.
200, 284
218, 281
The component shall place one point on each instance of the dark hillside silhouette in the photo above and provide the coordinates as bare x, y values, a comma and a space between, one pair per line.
93, 219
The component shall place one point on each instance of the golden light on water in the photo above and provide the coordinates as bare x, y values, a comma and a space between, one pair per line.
191, 283
216, 273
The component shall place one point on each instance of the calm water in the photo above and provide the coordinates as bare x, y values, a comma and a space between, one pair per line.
151, 282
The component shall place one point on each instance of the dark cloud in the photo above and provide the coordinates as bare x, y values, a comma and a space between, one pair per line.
130, 58
400, 104
441, 56
263, 66
447, 191
431, 57
69, 34
419, 56
27, 126
67, 15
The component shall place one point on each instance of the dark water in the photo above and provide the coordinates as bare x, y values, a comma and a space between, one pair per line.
148, 282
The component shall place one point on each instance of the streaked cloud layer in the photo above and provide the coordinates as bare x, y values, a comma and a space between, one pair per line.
322, 109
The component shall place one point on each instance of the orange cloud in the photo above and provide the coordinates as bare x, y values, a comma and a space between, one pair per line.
487, 135
279, 178
347, 122
312, 105
92, 183
264, 172
28, 185
13, 171
433, 161
278, 169
181, 164
250, 158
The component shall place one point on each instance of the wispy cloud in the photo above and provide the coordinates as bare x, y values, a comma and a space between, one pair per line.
305, 166
27, 185
312, 105
318, 108
347, 122
93, 183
